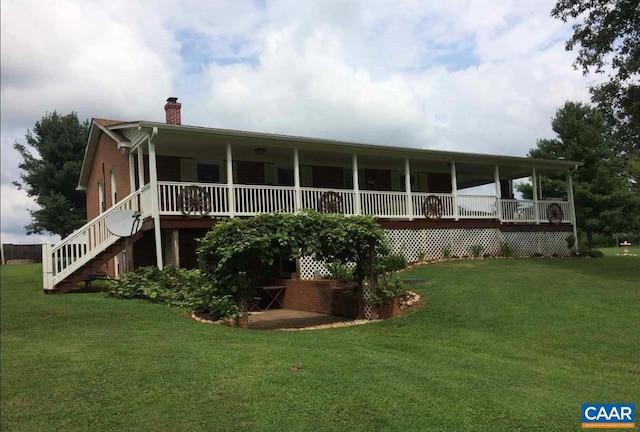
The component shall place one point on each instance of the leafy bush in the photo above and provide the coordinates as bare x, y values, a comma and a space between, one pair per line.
571, 241
591, 253
446, 252
389, 287
476, 250
341, 272
422, 256
391, 263
176, 287
506, 250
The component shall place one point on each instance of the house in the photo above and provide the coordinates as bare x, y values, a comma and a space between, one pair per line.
182, 179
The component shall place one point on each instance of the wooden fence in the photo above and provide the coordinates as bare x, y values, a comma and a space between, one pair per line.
31, 252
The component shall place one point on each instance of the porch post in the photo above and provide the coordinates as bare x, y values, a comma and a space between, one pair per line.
132, 174
496, 174
534, 184
356, 185
231, 202
296, 180
175, 247
155, 211
572, 205
140, 166
407, 188
454, 191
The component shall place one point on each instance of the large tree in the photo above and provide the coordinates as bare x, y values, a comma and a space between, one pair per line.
602, 193
51, 161
607, 38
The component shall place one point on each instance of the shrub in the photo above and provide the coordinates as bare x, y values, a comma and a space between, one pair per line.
571, 241
341, 272
506, 250
176, 287
391, 263
422, 256
476, 250
446, 252
388, 288
591, 253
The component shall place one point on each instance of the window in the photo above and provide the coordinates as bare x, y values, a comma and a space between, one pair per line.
285, 177
101, 202
114, 193
208, 173
413, 183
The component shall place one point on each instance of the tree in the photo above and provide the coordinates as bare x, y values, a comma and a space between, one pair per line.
51, 162
603, 197
608, 38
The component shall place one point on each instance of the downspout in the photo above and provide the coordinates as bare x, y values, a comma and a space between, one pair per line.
573, 205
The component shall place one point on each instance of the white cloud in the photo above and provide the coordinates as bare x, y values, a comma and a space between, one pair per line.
479, 75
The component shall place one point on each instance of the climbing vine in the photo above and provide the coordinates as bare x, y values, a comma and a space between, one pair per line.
233, 251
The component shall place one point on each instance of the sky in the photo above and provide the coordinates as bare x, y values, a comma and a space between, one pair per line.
462, 75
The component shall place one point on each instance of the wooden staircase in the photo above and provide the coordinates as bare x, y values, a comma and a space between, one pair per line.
93, 266
82, 253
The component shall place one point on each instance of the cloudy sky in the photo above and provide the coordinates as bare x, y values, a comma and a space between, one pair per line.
468, 75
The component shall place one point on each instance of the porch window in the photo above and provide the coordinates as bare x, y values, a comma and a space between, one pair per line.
403, 184
209, 173
285, 177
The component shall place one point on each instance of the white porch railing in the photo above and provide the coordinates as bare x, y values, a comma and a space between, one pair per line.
543, 210
517, 210
477, 207
169, 197
86, 242
384, 204
446, 201
255, 199
312, 199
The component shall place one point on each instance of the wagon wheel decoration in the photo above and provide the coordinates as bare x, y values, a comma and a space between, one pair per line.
330, 202
194, 201
554, 213
432, 207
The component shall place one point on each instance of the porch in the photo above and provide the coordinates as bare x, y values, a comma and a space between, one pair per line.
219, 200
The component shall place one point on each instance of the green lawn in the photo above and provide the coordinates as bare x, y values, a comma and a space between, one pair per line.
501, 345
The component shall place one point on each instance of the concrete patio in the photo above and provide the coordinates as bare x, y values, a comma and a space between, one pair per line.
288, 318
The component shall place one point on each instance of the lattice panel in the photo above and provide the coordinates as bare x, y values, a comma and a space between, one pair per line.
312, 269
544, 243
367, 307
434, 241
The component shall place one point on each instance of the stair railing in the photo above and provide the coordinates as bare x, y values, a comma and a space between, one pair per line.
87, 242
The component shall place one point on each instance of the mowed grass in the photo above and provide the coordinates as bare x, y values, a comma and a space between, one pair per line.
500, 345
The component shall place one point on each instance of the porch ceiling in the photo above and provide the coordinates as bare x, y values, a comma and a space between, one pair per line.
189, 141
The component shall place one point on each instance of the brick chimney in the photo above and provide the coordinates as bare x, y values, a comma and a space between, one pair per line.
172, 108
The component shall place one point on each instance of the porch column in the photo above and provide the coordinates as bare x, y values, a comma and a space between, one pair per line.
175, 247
407, 188
296, 180
231, 195
496, 174
572, 205
534, 185
454, 191
132, 173
356, 185
155, 208
140, 166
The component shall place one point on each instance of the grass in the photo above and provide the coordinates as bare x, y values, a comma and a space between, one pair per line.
501, 345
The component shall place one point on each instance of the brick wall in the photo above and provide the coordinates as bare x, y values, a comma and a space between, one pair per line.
320, 296
107, 152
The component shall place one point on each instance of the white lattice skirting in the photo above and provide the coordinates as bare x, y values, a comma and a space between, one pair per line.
432, 243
